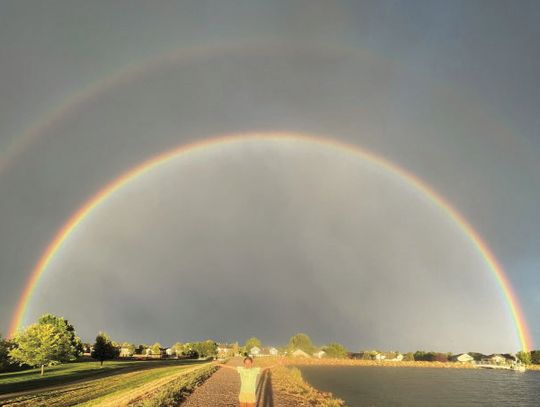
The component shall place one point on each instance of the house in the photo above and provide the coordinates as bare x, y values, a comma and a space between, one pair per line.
161, 355
225, 350
319, 354
268, 351
380, 356
126, 352
498, 359
299, 353
510, 358
255, 351
462, 358
169, 352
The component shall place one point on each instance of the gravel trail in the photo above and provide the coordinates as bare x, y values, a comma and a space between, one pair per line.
221, 390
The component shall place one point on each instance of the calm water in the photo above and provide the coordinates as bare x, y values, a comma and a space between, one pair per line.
387, 386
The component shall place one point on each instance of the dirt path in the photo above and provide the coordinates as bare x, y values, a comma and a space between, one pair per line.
222, 388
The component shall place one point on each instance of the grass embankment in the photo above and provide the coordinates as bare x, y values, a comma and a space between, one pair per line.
289, 380
149, 383
71, 372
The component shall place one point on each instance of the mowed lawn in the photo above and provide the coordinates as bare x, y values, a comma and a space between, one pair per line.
85, 383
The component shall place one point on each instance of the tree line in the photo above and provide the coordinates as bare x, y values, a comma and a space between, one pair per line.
53, 340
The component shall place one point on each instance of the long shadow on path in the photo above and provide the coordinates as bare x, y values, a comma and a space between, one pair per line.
265, 395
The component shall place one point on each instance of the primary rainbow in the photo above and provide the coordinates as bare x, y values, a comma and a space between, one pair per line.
412, 180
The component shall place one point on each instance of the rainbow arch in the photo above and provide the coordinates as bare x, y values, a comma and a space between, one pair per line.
79, 216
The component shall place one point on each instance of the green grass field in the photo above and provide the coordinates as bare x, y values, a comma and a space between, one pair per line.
85, 383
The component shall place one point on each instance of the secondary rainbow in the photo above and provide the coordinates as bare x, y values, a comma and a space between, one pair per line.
64, 233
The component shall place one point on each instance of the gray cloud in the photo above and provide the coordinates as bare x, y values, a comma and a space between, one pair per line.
453, 102
270, 238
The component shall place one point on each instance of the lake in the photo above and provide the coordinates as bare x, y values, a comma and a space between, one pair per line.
396, 386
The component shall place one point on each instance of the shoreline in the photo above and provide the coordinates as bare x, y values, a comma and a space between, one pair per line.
288, 380
373, 363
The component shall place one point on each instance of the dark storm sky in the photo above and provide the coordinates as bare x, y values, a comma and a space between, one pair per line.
448, 90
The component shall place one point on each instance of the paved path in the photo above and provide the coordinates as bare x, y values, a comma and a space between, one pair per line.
222, 388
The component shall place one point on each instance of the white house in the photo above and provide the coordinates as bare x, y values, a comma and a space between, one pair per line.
299, 353
498, 359
126, 352
268, 351
320, 354
464, 358
225, 350
255, 351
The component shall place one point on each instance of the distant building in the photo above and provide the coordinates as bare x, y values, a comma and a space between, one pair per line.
126, 352
227, 350
498, 359
319, 354
462, 358
255, 351
224, 351
299, 353
267, 351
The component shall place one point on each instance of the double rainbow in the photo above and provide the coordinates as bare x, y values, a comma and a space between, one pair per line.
78, 217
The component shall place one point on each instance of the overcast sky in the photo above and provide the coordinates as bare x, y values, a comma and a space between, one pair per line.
267, 238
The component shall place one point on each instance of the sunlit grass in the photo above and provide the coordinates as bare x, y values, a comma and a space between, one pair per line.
289, 380
117, 383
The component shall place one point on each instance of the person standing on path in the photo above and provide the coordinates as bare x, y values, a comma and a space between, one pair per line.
248, 381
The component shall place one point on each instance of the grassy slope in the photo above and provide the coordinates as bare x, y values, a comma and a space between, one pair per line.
289, 380
86, 383
70, 372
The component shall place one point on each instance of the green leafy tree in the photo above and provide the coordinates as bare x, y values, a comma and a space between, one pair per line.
477, 356
251, 342
63, 325
235, 349
128, 349
205, 349
440, 357
369, 354
5, 346
178, 349
42, 345
409, 357
535, 357
524, 357
208, 348
191, 352
156, 349
301, 341
104, 349
335, 350
141, 349
427, 356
